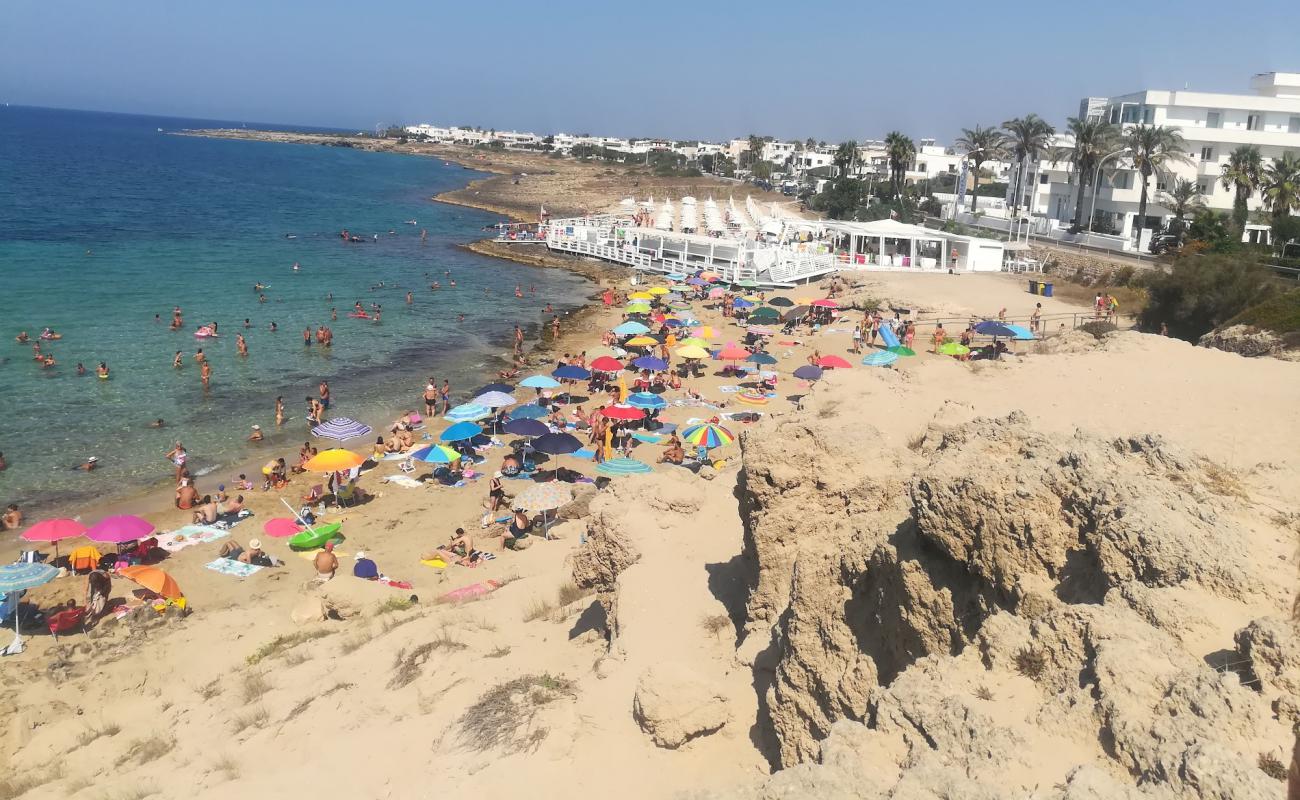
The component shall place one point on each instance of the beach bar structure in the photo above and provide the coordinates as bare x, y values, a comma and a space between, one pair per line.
887, 243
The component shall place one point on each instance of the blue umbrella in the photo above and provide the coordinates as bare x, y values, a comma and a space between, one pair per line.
675, 276
631, 329
528, 411
460, 432
17, 578
340, 428
436, 454
557, 444
990, 328
571, 372
651, 363
527, 427
494, 387
623, 466
674, 323
740, 303
468, 412
761, 358
881, 358
539, 382
808, 372
1021, 331
646, 400
697, 282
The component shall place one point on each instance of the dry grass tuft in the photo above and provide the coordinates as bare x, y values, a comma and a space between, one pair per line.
1272, 766
569, 593
226, 765
1222, 482
406, 667
393, 604
716, 624
984, 693
296, 657
15, 786
91, 734
145, 751
1031, 663
500, 652
539, 608
356, 642
209, 690
916, 442
301, 707
76, 784
254, 718
505, 717
254, 687
282, 644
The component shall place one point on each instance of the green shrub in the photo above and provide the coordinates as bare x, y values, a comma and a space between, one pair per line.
1201, 292
1280, 314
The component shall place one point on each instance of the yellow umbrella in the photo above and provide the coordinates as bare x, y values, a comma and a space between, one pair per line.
692, 351
703, 332
641, 341
803, 301
335, 460
657, 290
752, 298
622, 387
640, 296
695, 340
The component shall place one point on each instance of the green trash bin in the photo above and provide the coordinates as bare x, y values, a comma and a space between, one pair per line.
1047, 289
1033, 287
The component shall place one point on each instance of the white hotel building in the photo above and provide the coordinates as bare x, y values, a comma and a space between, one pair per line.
1212, 125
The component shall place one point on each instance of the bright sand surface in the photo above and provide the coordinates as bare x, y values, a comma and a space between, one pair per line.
329, 721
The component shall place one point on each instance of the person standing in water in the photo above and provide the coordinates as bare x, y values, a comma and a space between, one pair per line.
241, 345
324, 395
410, 298
306, 337
205, 373
279, 411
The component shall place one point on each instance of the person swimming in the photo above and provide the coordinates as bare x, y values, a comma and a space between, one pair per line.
102, 371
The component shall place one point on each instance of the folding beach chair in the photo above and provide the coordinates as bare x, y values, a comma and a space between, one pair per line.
316, 493
67, 620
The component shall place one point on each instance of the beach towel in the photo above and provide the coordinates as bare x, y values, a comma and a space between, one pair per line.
189, 536
396, 584
310, 555
728, 389
394, 457
405, 481
436, 563
472, 592
585, 452
228, 566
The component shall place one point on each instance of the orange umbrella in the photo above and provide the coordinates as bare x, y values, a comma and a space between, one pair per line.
335, 460
153, 579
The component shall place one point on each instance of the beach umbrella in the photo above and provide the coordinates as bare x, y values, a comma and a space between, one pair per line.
990, 328
16, 578
622, 412
335, 460
527, 427
692, 351
153, 579
651, 363
747, 284
543, 497
784, 302
436, 454
704, 332
710, 276
765, 313
752, 398
825, 303
673, 322
707, 435
761, 358
528, 411
880, 358
679, 307
460, 432
623, 466
571, 372
494, 387
647, 400
557, 444
900, 350
732, 352
716, 292
119, 529
640, 296
495, 400
539, 382
607, 364
54, 531
741, 303
808, 373
631, 328
759, 330
798, 312
694, 340
340, 428
675, 276
656, 290
833, 362
1021, 331
953, 349
468, 412
637, 308
281, 527
696, 282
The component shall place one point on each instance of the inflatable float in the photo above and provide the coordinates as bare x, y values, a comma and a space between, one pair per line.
204, 333
359, 315
313, 538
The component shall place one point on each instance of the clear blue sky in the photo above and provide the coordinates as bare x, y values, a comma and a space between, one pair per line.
831, 70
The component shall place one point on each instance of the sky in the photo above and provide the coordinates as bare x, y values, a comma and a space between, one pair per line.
681, 70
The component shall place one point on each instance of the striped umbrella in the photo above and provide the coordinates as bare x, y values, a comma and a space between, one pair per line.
436, 454
340, 428
494, 400
623, 466
646, 400
16, 578
752, 398
707, 435
881, 358
468, 412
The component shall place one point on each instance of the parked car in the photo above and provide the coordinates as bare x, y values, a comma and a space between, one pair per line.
1163, 243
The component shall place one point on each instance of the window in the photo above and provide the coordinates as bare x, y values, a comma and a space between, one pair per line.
1254, 122
1114, 115
1161, 186
1213, 119
1207, 153
1129, 113
1148, 115
1294, 125
1043, 178
1203, 185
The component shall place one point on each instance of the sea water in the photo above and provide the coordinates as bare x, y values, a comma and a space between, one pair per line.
108, 223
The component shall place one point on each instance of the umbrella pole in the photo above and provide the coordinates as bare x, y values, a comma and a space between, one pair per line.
296, 515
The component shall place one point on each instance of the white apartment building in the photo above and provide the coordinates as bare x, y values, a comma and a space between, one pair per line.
778, 152
1212, 125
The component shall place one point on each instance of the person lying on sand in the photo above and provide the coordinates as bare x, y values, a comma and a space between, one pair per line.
256, 556
459, 549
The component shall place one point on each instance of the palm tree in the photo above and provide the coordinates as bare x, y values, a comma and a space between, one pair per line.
1282, 185
901, 152
846, 155
1151, 148
981, 144
755, 149
1094, 139
1185, 198
1028, 137
1243, 174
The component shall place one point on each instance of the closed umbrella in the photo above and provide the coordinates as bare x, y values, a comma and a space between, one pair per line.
460, 432
119, 529
539, 382
153, 579
468, 412
335, 460
20, 577
340, 428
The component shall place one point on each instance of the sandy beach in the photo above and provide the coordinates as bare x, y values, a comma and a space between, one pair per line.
803, 618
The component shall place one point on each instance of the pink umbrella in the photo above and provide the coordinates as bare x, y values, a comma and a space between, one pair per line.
824, 303
733, 352
833, 362
280, 527
54, 530
119, 529
714, 294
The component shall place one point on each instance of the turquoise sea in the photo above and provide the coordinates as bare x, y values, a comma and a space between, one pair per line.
107, 222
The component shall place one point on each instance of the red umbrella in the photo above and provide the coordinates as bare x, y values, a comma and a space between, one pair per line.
119, 529
824, 303
607, 364
622, 412
280, 527
733, 352
833, 362
54, 530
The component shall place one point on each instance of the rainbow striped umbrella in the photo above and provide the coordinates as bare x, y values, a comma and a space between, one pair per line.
707, 435
436, 454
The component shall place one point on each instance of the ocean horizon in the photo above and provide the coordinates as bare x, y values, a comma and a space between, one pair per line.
109, 224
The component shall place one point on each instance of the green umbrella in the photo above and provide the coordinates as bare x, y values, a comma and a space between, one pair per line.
765, 313
638, 308
953, 349
902, 351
